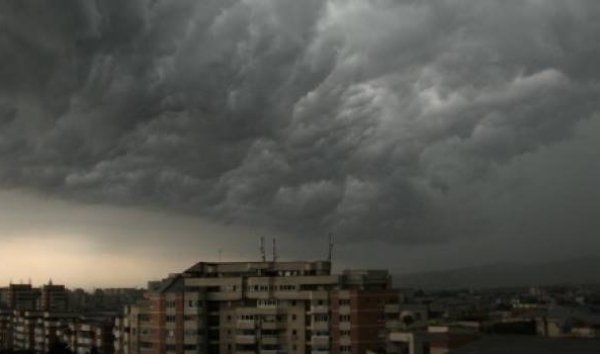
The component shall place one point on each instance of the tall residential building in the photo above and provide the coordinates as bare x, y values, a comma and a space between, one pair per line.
19, 297
260, 307
54, 298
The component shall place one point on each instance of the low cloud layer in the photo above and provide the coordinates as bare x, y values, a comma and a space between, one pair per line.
397, 121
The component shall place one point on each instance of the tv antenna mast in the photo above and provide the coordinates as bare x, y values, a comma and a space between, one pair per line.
263, 253
274, 250
330, 252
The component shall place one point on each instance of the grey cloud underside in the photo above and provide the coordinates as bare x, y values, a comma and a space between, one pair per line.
371, 119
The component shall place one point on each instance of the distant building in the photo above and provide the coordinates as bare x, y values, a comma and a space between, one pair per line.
529, 345
36, 319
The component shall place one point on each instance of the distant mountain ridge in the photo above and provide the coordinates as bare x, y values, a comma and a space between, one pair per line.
571, 271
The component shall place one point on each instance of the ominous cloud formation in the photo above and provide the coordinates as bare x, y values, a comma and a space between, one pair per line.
395, 120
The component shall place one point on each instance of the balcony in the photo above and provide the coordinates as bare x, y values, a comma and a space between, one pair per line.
344, 310
320, 309
269, 340
195, 339
319, 341
270, 351
345, 340
246, 324
320, 326
245, 339
392, 308
84, 341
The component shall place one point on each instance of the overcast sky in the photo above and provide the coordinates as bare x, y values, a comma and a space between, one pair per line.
139, 136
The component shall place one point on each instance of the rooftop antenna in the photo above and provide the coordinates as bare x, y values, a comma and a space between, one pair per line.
274, 250
263, 253
330, 253
220, 254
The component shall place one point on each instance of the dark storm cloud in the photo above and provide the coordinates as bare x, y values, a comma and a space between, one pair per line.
372, 119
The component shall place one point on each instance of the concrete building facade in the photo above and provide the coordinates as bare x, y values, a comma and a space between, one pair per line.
259, 307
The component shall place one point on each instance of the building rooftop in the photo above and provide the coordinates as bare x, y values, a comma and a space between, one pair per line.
300, 267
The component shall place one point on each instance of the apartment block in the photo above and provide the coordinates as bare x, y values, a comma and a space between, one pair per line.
24, 323
47, 328
38, 332
358, 311
89, 335
54, 298
6, 329
266, 307
19, 297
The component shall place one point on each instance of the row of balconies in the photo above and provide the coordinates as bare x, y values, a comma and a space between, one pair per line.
249, 339
319, 309
266, 294
252, 324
